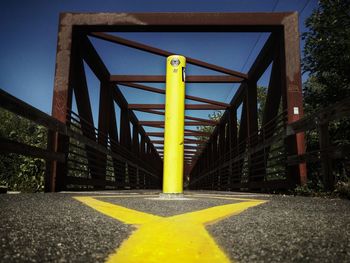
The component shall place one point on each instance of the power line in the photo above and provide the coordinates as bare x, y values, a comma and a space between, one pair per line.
257, 40
254, 46
306, 4
259, 37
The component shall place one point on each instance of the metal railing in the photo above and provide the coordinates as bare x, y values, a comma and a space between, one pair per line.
262, 156
323, 158
256, 162
113, 167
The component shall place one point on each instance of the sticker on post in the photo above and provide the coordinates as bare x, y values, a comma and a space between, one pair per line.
296, 110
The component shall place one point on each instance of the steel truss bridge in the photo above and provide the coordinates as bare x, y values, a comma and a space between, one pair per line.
240, 154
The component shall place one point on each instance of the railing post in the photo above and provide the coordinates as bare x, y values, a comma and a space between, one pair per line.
50, 166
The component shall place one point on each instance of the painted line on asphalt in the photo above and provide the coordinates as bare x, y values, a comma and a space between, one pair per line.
179, 238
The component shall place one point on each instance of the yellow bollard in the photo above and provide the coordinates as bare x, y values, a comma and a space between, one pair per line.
174, 125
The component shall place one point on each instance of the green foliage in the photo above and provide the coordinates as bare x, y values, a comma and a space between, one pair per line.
216, 115
308, 190
343, 189
313, 95
303, 190
22, 173
327, 59
327, 54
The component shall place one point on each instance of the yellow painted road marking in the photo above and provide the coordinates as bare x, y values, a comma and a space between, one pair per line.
126, 215
123, 196
217, 213
180, 238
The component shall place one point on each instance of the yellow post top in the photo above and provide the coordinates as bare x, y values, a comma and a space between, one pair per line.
175, 72
176, 61
174, 125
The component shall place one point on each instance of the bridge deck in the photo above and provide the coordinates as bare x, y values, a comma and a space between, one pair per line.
135, 226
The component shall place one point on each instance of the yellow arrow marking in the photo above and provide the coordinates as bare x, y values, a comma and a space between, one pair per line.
180, 238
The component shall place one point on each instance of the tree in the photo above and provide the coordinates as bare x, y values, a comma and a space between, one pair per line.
216, 115
18, 172
327, 54
327, 60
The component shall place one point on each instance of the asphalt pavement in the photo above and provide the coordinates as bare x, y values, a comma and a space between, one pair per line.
57, 228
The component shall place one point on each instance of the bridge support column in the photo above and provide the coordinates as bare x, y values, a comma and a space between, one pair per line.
174, 125
292, 97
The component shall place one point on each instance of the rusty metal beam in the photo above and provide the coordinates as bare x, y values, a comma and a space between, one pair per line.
257, 69
158, 141
282, 25
125, 134
81, 93
84, 109
186, 117
198, 132
91, 57
235, 102
255, 172
193, 147
198, 147
186, 151
104, 120
96, 64
222, 138
243, 128
9, 146
264, 58
195, 141
189, 141
259, 66
205, 134
175, 22
211, 122
162, 91
292, 98
161, 134
151, 111
161, 79
187, 107
120, 99
135, 139
232, 140
164, 53
152, 22
187, 123
94, 61
252, 111
273, 97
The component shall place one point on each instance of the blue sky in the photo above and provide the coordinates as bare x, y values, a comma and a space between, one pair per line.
29, 34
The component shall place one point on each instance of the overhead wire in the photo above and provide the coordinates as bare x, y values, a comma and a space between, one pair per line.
305, 5
255, 44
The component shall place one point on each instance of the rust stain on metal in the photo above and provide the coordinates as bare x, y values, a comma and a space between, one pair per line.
293, 88
292, 46
221, 143
101, 19
63, 54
